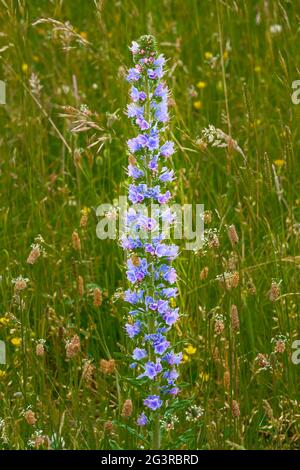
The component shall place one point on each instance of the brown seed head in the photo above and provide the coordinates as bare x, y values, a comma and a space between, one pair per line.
76, 241
40, 350
127, 408
219, 326
235, 409
232, 234
73, 347
80, 286
274, 292
235, 321
30, 417
97, 297
34, 255
204, 273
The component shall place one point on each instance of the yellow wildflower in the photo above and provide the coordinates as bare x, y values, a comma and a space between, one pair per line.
201, 85
197, 105
257, 69
185, 358
16, 341
208, 55
83, 34
3, 374
204, 376
225, 55
279, 163
85, 210
4, 321
190, 350
24, 68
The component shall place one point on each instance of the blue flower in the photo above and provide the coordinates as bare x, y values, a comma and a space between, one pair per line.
152, 369
135, 172
133, 329
171, 376
134, 48
173, 359
137, 95
133, 75
171, 316
139, 354
153, 402
166, 175
142, 420
133, 110
133, 297
167, 149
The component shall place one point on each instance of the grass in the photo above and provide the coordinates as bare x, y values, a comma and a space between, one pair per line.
50, 178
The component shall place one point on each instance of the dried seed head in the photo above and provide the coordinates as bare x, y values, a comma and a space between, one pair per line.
108, 367
84, 216
279, 346
108, 427
83, 220
226, 380
80, 286
235, 322
262, 361
131, 160
268, 409
135, 260
34, 254
232, 234
204, 273
76, 241
219, 326
229, 280
213, 241
235, 279
88, 372
207, 217
30, 417
235, 409
251, 287
127, 408
274, 292
40, 350
97, 297
42, 441
232, 262
73, 347
20, 283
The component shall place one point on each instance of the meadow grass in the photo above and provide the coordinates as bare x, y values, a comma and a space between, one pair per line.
228, 67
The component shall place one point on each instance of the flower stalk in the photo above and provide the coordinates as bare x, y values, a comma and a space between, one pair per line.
152, 293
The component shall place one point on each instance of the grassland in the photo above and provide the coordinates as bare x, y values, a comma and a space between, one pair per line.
231, 65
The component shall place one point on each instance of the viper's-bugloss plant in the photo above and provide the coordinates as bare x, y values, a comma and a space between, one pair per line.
153, 291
